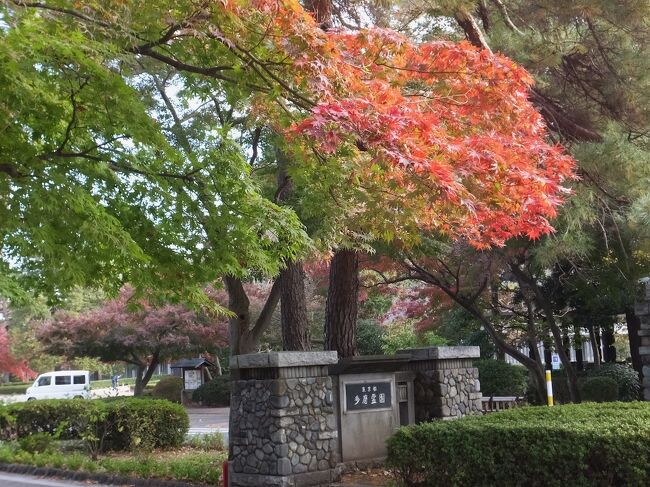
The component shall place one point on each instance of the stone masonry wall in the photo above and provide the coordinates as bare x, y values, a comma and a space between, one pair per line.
282, 427
447, 393
642, 311
644, 352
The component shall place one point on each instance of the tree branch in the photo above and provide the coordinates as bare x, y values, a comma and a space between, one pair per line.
553, 115
11, 171
264, 319
506, 18
62, 10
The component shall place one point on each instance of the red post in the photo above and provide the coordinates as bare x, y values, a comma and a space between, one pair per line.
225, 473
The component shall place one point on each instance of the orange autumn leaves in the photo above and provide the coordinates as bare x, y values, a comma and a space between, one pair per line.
446, 126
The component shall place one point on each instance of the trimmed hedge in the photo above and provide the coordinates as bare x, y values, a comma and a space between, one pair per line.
123, 423
214, 393
579, 445
169, 388
13, 389
146, 424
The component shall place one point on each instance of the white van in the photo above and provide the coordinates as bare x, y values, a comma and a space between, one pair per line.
64, 384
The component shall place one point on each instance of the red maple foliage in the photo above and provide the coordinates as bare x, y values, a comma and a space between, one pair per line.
134, 332
440, 135
8, 363
446, 126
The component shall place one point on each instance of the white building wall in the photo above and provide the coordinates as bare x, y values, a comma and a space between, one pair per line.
587, 353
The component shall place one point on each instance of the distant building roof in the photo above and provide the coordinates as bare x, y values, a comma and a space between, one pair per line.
191, 363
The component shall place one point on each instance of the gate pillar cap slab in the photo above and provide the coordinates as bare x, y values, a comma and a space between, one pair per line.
282, 359
428, 353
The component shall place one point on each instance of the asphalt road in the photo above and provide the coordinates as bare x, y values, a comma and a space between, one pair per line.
15, 480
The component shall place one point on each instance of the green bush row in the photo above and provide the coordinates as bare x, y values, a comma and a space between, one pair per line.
117, 424
579, 445
169, 388
499, 378
214, 393
599, 389
626, 378
13, 389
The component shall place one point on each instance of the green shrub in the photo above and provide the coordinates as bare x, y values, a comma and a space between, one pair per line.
402, 335
499, 378
578, 445
627, 378
600, 389
206, 442
145, 424
169, 388
7, 423
481, 339
118, 424
214, 393
13, 389
37, 443
64, 418
370, 338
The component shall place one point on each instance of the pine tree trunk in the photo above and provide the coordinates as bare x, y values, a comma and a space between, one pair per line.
577, 343
599, 343
293, 310
609, 350
594, 345
341, 308
548, 354
525, 279
633, 327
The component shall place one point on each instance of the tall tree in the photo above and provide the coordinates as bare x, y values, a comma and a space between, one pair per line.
8, 363
590, 61
294, 322
94, 193
142, 338
445, 127
341, 307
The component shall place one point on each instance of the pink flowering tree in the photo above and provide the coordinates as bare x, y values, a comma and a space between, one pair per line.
8, 363
132, 331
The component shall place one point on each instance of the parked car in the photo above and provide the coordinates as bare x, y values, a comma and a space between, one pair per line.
64, 384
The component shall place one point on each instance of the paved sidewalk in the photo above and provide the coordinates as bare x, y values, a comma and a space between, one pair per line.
209, 420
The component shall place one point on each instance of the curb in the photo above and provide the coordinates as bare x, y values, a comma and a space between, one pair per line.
103, 478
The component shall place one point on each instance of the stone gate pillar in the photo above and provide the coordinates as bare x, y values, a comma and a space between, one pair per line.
642, 311
283, 431
446, 384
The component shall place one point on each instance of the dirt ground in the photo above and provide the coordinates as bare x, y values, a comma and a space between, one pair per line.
373, 476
